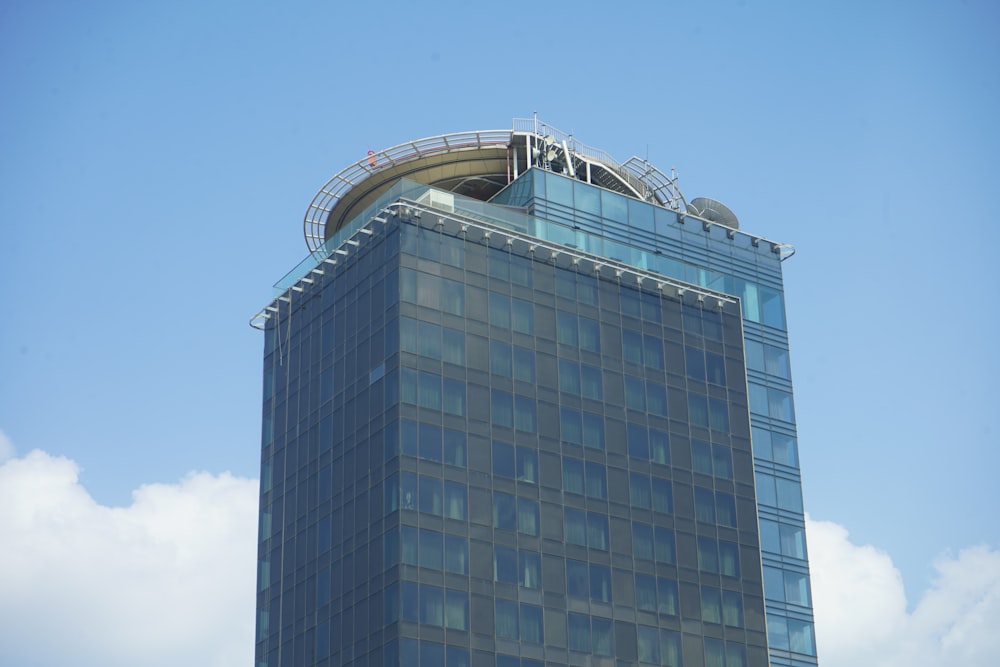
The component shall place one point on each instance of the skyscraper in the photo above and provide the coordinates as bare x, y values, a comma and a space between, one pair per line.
509, 401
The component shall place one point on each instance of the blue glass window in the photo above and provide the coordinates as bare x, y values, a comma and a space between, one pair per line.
638, 442
507, 619
695, 362
456, 554
569, 377
639, 495
504, 511
572, 471
505, 565
531, 624
524, 364
698, 410
503, 459
579, 633
577, 579
662, 496
645, 592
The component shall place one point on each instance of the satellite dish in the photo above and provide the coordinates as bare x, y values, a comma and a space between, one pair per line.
713, 211
549, 140
551, 153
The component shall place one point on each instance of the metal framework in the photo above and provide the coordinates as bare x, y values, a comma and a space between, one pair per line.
528, 142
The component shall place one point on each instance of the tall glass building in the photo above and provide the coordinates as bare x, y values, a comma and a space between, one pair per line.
527, 406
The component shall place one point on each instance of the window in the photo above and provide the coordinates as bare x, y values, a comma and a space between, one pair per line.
527, 516
502, 408
566, 329
503, 459
652, 352
662, 496
642, 541
431, 555
454, 397
694, 359
573, 481
649, 645
524, 364
431, 496
665, 550
529, 569
718, 414
725, 509
698, 410
520, 271
729, 559
452, 297
722, 461
639, 495
597, 531
732, 609
456, 554
591, 385
704, 505
505, 565
667, 600
577, 579
711, 605
499, 310
507, 619
429, 437
632, 346
656, 399
575, 526
455, 501
635, 394
590, 335
659, 446
601, 636
525, 414
596, 481
454, 447
431, 605
569, 377
593, 430
527, 465
522, 316
570, 426
701, 457
645, 592
600, 583
638, 442
579, 633
500, 359
531, 624
708, 555
504, 511
715, 368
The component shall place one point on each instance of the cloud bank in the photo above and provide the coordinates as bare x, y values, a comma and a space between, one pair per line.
861, 608
169, 580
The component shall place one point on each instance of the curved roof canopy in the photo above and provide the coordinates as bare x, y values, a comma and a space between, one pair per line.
479, 164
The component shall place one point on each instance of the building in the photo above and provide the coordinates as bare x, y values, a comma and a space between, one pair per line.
509, 400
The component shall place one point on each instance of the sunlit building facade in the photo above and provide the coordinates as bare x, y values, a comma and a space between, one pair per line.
525, 406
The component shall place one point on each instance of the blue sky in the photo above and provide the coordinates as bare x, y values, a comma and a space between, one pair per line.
156, 161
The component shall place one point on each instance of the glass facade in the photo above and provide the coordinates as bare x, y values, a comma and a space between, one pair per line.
476, 453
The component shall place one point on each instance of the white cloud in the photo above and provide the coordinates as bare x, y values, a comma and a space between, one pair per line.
861, 607
6, 448
167, 580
